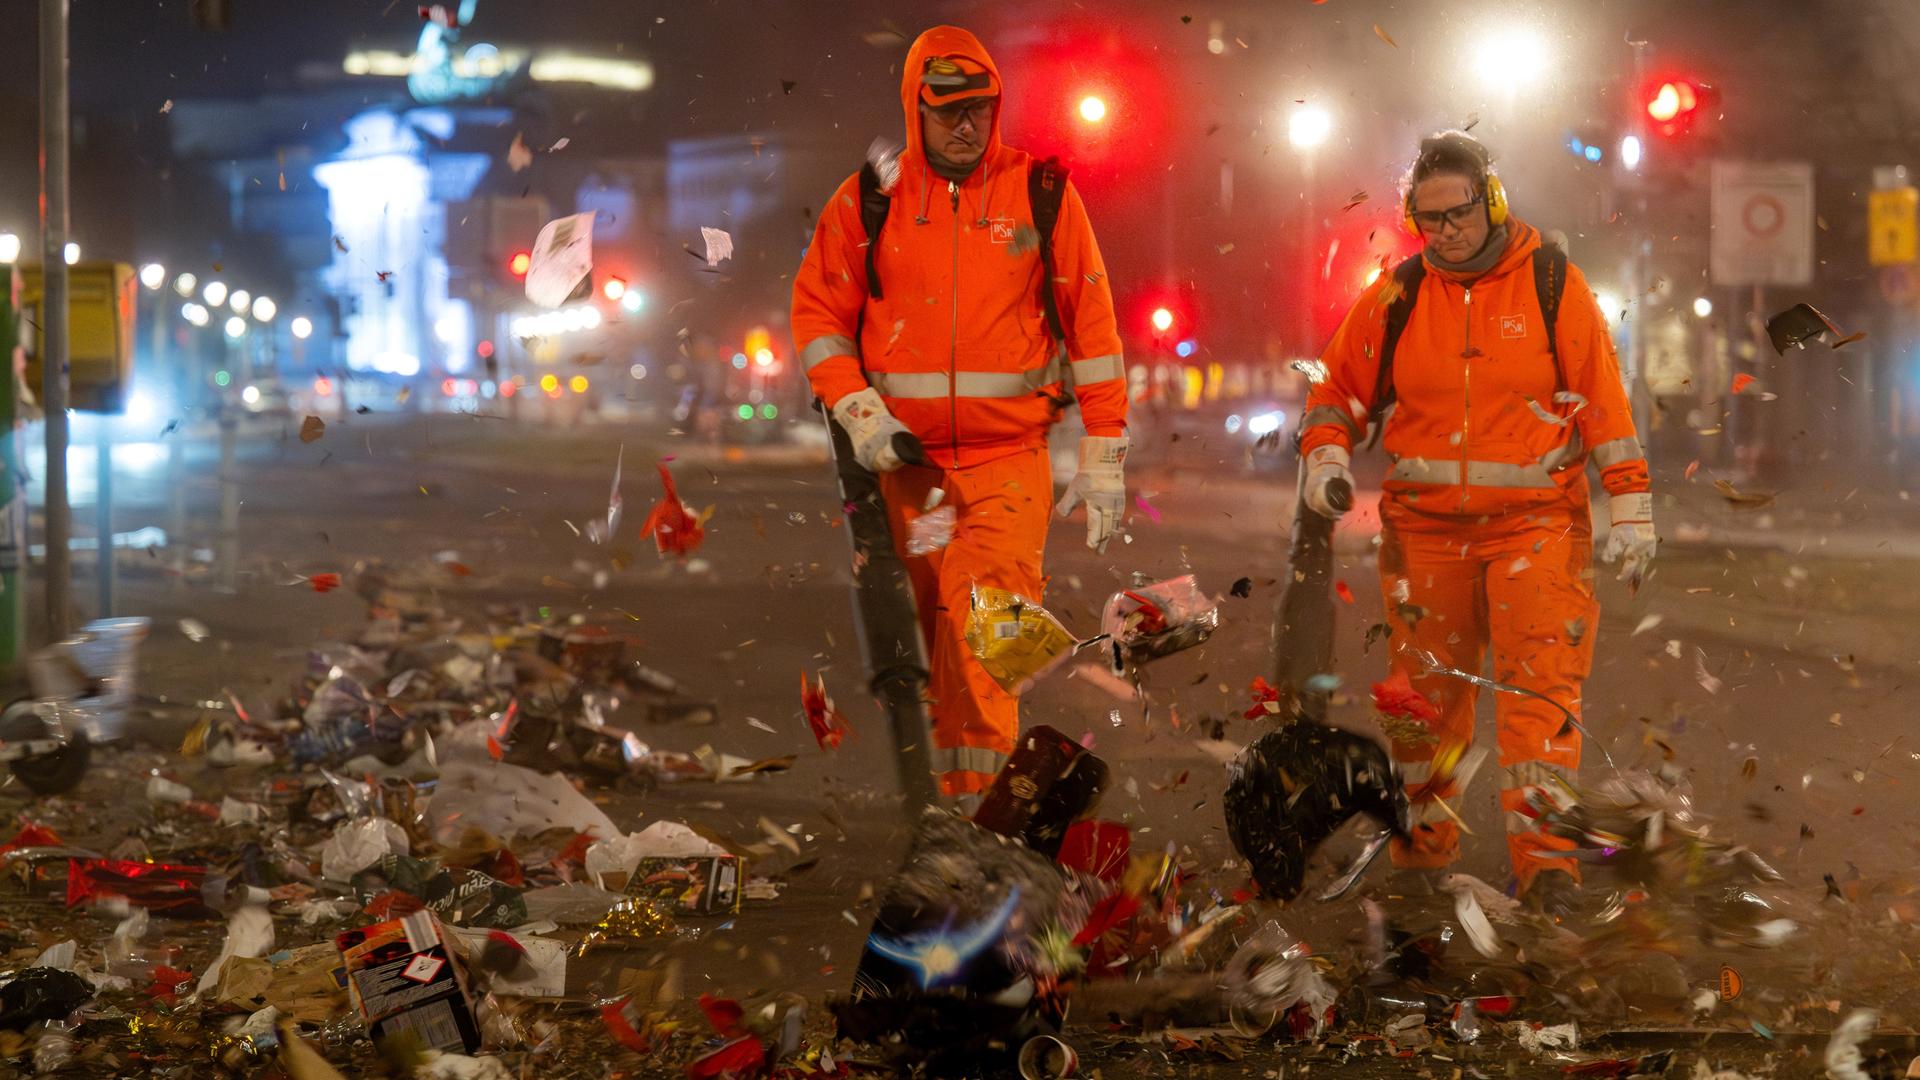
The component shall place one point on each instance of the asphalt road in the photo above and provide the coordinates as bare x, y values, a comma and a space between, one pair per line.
1802, 754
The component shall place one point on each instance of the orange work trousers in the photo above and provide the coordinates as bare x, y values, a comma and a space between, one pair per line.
1001, 510
1521, 583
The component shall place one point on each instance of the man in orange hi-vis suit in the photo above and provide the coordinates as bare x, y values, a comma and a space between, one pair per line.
949, 328
1498, 364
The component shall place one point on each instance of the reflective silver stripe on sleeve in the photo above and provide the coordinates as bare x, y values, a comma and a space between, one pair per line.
1098, 369
1609, 454
1328, 414
826, 347
1488, 474
967, 759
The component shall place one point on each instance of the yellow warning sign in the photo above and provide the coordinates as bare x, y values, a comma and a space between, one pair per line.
1893, 228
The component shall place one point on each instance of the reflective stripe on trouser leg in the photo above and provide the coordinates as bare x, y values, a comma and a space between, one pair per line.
1001, 511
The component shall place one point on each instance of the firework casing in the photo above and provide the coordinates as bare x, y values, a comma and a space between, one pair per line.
1050, 782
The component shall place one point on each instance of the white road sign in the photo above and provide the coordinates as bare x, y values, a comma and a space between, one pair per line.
1762, 223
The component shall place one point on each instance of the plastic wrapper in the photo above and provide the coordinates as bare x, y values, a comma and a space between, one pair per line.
1157, 620
357, 845
249, 934
629, 921
1271, 975
39, 994
1017, 641
931, 531
161, 888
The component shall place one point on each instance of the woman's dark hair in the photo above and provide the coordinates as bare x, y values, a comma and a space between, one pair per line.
1449, 153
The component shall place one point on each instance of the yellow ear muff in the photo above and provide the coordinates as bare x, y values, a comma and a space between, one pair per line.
1496, 208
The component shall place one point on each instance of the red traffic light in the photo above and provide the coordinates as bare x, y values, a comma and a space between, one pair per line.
1672, 104
1093, 109
1162, 320
517, 266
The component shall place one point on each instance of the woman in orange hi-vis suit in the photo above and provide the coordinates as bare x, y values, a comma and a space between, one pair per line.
956, 349
1487, 537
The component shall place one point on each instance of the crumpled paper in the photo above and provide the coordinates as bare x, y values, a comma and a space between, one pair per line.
509, 801
358, 844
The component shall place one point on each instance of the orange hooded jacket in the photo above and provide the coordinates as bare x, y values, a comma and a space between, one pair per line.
959, 347
1483, 423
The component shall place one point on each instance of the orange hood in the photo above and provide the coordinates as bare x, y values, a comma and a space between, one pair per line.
943, 41
1522, 240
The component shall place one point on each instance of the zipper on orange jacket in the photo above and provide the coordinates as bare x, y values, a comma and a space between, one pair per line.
1466, 391
953, 356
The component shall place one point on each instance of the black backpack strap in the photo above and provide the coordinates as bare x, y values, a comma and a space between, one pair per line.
1046, 189
1549, 285
1407, 276
874, 205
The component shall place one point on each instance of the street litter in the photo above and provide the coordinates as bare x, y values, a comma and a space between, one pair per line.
1157, 620
1017, 641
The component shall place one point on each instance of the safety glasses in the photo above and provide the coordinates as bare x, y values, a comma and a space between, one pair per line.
1436, 221
978, 110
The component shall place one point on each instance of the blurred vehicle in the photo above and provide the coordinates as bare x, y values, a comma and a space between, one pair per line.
83, 689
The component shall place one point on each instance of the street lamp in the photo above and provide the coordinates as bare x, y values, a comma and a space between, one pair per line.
71, 253
264, 309
240, 299
236, 327
1702, 307
1630, 152
302, 327
1511, 58
215, 293
153, 275
1308, 126
9, 247
194, 313
184, 284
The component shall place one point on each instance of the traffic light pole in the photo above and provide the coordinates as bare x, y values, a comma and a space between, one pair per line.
54, 328
13, 493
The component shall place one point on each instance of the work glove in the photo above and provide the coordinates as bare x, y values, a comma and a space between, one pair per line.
1632, 536
1325, 465
880, 442
1102, 483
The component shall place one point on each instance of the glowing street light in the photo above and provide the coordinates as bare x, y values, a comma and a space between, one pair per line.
153, 275
215, 293
264, 309
1702, 307
1630, 152
9, 248
236, 327
1162, 320
194, 313
1511, 58
184, 284
1308, 126
240, 299
71, 253
302, 327
1093, 109
614, 289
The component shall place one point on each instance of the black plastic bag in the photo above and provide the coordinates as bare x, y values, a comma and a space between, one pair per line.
1293, 787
